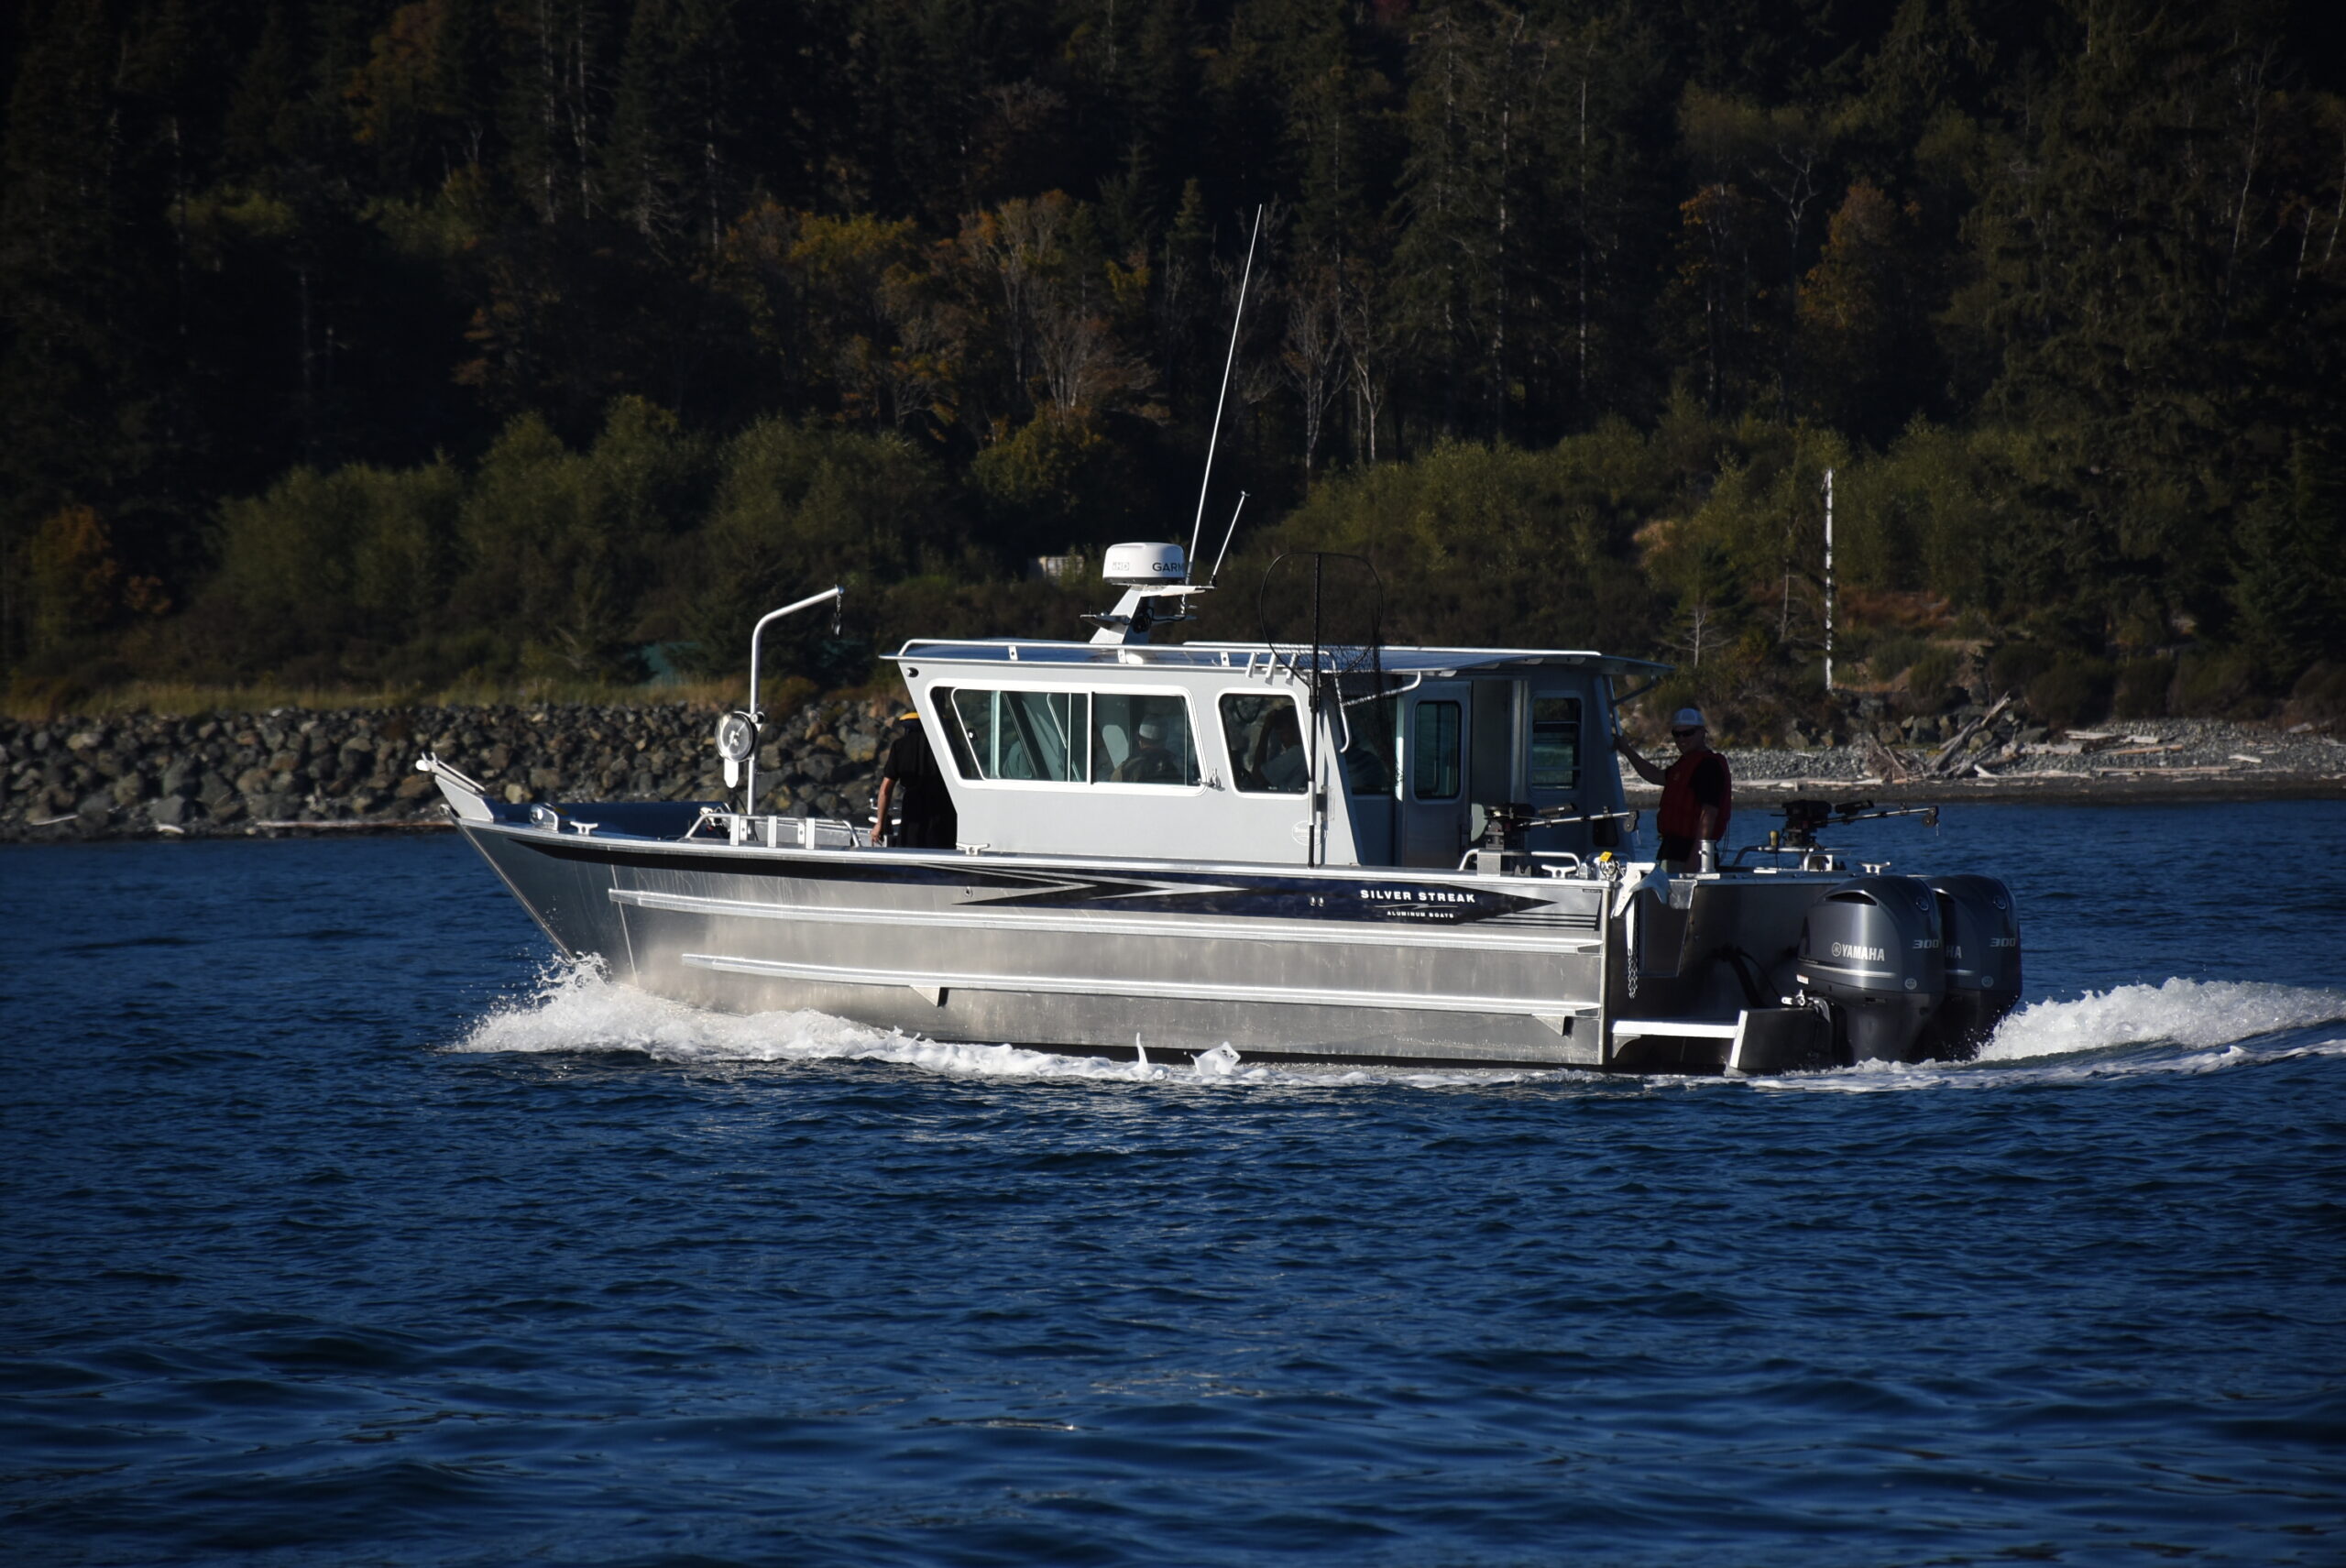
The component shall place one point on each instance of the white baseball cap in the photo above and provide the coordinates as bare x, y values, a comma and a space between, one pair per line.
1151, 731
1688, 719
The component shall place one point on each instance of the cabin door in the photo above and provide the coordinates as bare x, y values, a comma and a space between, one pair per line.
1557, 733
1437, 722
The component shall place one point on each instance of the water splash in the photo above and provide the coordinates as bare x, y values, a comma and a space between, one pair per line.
2179, 1026
2194, 1014
576, 1009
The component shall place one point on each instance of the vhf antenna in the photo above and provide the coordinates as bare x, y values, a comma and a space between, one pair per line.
1227, 534
1197, 527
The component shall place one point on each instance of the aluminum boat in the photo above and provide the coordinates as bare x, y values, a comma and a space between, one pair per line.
1302, 852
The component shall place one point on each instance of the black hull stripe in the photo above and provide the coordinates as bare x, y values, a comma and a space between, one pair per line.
1208, 891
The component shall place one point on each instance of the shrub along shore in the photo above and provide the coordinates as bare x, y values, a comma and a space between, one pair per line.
317, 770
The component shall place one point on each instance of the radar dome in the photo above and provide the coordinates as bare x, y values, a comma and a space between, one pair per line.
1145, 565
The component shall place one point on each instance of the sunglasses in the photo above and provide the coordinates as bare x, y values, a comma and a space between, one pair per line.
1683, 733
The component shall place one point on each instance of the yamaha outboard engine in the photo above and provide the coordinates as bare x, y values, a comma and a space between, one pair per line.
1982, 932
1872, 949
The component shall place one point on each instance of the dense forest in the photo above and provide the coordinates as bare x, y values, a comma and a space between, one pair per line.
402, 346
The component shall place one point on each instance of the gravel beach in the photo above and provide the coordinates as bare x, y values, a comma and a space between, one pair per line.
299, 771
2168, 758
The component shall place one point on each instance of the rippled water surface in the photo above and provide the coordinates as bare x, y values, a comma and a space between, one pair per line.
335, 1226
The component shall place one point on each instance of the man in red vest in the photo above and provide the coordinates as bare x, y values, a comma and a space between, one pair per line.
1697, 794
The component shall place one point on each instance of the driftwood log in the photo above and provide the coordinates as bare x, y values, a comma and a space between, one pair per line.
1942, 761
1881, 760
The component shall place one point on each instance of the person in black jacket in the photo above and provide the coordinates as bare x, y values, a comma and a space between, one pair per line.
910, 779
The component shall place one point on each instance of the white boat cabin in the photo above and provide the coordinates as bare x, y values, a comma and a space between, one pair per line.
1218, 752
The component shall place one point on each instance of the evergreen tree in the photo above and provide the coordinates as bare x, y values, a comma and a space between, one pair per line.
2063, 288
670, 166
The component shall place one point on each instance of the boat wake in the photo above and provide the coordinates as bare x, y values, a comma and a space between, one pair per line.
2197, 1015
2177, 1026
576, 1009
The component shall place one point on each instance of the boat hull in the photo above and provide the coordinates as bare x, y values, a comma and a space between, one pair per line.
1316, 963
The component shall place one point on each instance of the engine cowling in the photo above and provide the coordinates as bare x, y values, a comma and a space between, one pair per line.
1872, 949
1981, 928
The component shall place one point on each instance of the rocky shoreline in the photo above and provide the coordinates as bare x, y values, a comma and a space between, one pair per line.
2012, 758
297, 771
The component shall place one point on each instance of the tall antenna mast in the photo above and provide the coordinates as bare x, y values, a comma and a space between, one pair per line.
1828, 579
1228, 534
1197, 527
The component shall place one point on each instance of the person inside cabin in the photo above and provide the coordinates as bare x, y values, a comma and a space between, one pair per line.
1278, 764
1697, 794
911, 781
1151, 761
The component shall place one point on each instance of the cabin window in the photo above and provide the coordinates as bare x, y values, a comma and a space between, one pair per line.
1434, 752
1266, 739
1021, 736
947, 703
1555, 742
966, 732
1141, 740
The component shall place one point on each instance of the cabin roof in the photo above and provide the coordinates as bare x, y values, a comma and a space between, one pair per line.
1429, 661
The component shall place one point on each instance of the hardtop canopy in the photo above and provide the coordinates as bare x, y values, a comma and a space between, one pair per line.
1433, 662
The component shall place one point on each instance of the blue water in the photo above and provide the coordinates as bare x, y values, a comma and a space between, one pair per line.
337, 1228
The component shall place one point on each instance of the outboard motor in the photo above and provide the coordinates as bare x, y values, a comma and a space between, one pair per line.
1982, 932
1872, 949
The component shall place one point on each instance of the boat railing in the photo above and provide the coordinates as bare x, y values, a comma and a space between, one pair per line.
1546, 862
836, 598
776, 832
430, 762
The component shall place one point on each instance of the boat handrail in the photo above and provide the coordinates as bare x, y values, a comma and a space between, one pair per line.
1415, 682
837, 594
777, 830
432, 763
1568, 862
